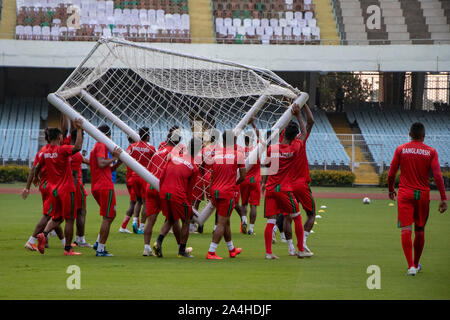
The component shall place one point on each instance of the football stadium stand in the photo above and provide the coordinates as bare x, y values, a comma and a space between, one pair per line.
323, 146
265, 21
19, 127
141, 21
234, 21
21, 121
389, 129
402, 21
328, 147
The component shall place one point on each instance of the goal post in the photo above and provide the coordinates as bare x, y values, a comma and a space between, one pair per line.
287, 116
129, 85
101, 137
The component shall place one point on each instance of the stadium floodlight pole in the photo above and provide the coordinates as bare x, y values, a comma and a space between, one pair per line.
62, 106
111, 116
253, 156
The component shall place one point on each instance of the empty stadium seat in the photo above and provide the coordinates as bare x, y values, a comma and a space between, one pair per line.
267, 14
136, 21
385, 131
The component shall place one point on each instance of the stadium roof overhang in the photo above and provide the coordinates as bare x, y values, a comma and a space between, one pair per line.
67, 54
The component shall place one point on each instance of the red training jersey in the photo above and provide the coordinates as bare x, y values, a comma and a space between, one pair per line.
178, 179
255, 169
301, 172
37, 158
416, 160
77, 160
57, 160
100, 177
142, 152
67, 140
180, 147
280, 176
225, 164
159, 161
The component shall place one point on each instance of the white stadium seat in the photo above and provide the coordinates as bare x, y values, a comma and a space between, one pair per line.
273, 22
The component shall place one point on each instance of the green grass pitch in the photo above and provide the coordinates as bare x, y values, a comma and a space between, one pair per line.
349, 238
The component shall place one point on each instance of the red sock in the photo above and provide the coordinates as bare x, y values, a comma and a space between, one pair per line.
299, 231
407, 246
268, 237
419, 242
125, 222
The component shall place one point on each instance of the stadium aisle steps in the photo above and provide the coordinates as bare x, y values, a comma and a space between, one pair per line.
8, 20
201, 20
415, 20
365, 173
326, 22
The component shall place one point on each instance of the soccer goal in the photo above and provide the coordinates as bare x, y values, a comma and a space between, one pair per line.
129, 85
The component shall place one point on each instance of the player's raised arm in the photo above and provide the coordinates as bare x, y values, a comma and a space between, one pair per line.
392, 174
79, 141
64, 125
298, 114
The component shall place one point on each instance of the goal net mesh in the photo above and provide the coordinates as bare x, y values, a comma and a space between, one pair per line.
145, 86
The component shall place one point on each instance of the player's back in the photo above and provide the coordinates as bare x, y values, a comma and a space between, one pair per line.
100, 177
57, 160
177, 178
255, 169
43, 171
205, 159
415, 160
159, 160
225, 164
142, 152
300, 163
280, 176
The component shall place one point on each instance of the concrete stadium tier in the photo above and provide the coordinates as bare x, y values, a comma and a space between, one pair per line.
401, 21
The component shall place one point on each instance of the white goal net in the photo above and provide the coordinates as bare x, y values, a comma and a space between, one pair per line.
128, 86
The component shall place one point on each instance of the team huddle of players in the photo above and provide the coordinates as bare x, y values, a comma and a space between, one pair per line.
188, 174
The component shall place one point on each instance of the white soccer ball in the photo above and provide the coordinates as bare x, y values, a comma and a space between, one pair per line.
366, 200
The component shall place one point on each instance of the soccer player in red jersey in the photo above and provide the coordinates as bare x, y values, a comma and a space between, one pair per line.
224, 167
301, 177
80, 194
57, 161
46, 198
102, 188
204, 160
415, 160
65, 129
237, 195
142, 151
251, 186
278, 190
158, 163
154, 201
130, 210
176, 184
